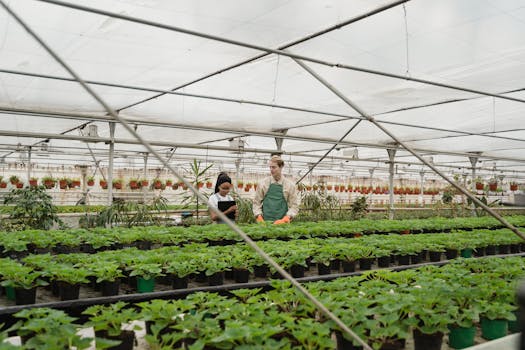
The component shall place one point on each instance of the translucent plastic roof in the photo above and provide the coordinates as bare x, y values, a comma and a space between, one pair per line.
473, 49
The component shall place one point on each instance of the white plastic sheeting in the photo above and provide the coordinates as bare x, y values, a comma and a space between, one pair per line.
475, 44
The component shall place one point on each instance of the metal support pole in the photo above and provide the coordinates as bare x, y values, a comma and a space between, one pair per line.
145, 175
421, 186
28, 163
473, 162
391, 156
110, 163
409, 149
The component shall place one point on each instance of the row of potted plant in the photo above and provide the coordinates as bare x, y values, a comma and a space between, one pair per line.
108, 238
199, 261
382, 308
37, 240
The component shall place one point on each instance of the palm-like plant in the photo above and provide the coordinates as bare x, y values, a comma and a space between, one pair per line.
197, 175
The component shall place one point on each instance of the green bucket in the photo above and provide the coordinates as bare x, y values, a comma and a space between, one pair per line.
461, 338
514, 326
10, 293
145, 286
466, 253
493, 329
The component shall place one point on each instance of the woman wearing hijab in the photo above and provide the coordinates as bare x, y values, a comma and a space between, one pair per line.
222, 198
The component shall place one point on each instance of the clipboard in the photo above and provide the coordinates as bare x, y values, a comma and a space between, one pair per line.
225, 205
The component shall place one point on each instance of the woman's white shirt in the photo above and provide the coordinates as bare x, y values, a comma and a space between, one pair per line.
216, 198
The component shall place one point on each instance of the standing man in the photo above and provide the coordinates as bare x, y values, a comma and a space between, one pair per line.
276, 198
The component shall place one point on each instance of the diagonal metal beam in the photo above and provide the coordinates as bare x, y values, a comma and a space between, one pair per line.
409, 149
274, 51
320, 306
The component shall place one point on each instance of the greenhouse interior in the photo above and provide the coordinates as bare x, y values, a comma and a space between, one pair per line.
330, 174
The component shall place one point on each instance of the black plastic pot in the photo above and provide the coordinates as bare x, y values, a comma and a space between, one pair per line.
515, 248
179, 282
25, 296
322, 269
241, 275
479, 251
68, 291
261, 271
451, 253
87, 248
393, 344
427, 341
365, 263
383, 261
228, 275
415, 259
200, 277
335, 265
127, 338
143, 245
490, 250
217, 279
403, 259
110, 288
434, 256
297, 271
348, 266
343, 344
503, 249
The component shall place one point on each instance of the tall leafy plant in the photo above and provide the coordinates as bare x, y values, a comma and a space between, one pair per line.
32, 208
197, 175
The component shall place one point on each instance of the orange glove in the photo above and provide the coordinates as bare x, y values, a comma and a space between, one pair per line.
284, 220
259, 219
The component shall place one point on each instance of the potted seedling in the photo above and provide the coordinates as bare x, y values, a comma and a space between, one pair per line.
48, 329
513, 186
180, 270
24, 280
90, 181
108, 322
146, 273
108, 274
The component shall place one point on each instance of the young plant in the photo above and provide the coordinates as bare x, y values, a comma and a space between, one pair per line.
32, 208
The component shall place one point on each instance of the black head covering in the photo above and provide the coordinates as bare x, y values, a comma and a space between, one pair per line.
222, 178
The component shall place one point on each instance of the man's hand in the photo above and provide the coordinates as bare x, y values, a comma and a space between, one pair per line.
259, 219
284, 220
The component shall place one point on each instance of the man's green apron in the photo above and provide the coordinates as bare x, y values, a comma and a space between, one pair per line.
274, 205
